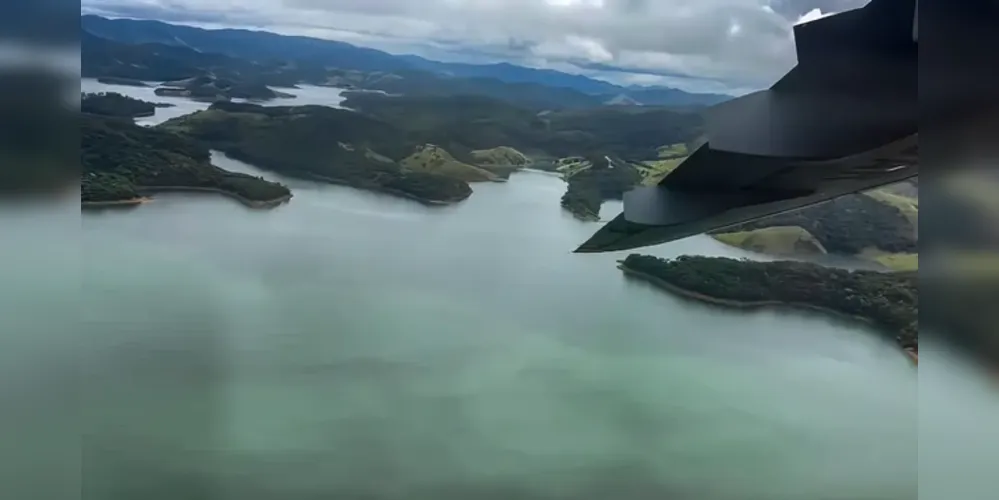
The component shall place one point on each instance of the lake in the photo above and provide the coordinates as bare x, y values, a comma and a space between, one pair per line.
354, 345
304, 95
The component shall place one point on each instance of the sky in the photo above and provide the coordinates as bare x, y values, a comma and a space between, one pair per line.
696, 45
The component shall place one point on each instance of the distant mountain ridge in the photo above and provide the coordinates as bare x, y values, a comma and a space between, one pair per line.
266, 47
516, 74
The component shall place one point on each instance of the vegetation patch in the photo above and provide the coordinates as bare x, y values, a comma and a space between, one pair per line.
848, 225
324, 144
908, 206
893, 261
654, 171
604, 178
500, 156
115, 104
777, 240
120, 160
888, 300
431, 159
678, 150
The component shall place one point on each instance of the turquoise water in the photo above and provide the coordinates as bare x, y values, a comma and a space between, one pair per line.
354, 344
357, 346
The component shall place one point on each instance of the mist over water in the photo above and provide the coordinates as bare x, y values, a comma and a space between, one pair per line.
354, 345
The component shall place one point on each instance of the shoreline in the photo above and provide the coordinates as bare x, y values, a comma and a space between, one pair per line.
192, 189
131, 202
309, 176
841, 261
148, 190
393, 192
912, 354
588, 216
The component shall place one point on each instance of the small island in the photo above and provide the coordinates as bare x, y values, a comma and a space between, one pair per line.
115, 104
123, 163
210, 88
890, 301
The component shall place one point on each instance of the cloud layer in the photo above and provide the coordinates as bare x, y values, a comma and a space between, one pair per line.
694, 44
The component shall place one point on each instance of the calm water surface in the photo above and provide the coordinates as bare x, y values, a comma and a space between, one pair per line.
353, 345
304, 95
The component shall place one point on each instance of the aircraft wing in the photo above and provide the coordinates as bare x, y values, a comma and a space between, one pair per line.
845, 119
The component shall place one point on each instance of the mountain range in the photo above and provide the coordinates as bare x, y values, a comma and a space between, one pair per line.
267, 48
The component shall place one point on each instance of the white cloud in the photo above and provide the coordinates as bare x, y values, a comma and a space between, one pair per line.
573, 47
740, 43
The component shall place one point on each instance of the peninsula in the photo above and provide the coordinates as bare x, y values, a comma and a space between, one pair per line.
889, 301
331, 145
122, 163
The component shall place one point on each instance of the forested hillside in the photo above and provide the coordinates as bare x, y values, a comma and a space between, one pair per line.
319, 142
120, 160
889, 300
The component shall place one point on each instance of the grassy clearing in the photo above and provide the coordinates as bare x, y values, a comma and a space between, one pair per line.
670, 157
434, 160
503, 156
899, 261
654, 171
908, 206
892, 261
186, 122
678, 150
571, 166
778, 240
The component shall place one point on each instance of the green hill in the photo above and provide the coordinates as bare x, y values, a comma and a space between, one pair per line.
633, 136
477, 133
849, 225
594, 179
320, 143
502, 161
120, 161
879, 225
462, 124
909, 206
501, 156
431, 159
775, 240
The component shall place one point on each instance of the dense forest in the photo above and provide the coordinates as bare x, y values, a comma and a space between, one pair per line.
115, 104
848, 225
319, 142
119, 160
350, 146
889, 300
461, 123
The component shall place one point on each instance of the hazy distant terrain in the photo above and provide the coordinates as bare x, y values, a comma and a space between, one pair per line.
312, 56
